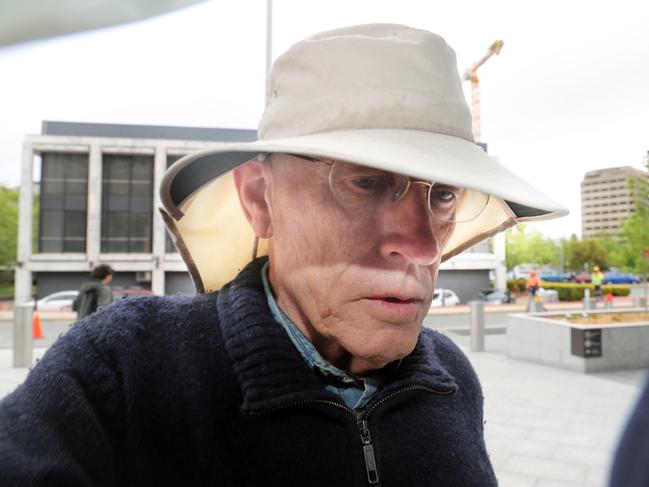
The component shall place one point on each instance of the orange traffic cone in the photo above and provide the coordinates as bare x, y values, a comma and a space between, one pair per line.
37, 331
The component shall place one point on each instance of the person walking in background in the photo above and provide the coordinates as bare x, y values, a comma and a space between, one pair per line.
533, 284
597, 278
94, 293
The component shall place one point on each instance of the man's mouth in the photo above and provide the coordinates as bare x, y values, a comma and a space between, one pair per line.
397, 308
392, 299
395, 299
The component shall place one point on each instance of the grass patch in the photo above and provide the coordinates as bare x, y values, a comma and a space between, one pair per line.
604, 318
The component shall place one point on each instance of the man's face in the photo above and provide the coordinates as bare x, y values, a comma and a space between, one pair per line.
358, 283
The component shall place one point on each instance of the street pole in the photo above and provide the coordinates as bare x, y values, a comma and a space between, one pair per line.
645, 252
645, 259
269, 34
23, 343
476, 319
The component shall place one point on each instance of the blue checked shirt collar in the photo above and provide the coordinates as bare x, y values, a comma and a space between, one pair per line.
355, 392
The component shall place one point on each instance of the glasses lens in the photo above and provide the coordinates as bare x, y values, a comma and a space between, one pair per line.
364, 187
452, 204
372, 189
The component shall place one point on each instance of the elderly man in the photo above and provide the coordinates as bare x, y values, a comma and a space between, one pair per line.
302, 359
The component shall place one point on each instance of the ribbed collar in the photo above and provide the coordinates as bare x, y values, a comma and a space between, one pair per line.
271, 371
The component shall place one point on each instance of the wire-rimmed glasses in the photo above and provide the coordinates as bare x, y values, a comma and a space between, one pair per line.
371, 189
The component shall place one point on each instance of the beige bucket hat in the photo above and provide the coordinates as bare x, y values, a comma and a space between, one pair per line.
381, 95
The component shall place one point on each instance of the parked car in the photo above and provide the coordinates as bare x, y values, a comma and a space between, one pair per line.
496, 296
620, 278
582, 278
521, 271
444, 297
59, 301
130, 293
552, 276
62, 300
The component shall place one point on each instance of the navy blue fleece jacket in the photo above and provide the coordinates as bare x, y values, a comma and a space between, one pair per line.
208, 390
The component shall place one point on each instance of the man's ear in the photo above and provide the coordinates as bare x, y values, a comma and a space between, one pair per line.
251, 180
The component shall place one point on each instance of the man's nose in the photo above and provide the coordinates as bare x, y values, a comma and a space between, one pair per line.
411, 232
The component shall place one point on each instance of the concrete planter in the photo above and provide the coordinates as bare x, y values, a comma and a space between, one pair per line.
582, 348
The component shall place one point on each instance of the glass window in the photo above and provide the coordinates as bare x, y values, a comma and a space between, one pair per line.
63, 200
127, 203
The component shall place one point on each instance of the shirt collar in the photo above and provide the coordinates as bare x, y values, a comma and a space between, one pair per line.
309, 353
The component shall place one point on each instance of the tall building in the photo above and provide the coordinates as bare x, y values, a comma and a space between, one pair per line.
97, 189
606, 199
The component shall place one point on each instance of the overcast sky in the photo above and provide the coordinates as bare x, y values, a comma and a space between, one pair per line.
568, 93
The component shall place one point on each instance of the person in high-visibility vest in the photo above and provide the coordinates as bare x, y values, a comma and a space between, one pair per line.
597, 278
533, 284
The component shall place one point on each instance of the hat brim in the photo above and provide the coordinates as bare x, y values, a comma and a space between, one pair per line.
202, 210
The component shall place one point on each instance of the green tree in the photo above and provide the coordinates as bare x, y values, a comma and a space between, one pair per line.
526, 245
635, 233
8, 227
611, 245
9, 217
588, 251
566, 246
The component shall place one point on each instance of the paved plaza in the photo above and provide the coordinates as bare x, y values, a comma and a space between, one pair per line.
547, 426
544, 426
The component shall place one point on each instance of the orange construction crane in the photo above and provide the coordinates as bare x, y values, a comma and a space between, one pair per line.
472, 74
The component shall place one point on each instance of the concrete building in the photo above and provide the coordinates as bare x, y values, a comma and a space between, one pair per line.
98, 199
606, 199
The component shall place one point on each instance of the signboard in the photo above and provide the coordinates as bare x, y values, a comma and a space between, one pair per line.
586, 343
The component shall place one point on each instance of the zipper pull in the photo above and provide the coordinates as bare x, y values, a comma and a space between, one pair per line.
368, 453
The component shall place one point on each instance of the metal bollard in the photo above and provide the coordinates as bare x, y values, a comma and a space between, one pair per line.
534, 306
589, 303
477, 326
23, 335
638, 301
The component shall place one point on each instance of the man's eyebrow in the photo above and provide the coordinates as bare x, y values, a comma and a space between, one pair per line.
445, 185
306, 158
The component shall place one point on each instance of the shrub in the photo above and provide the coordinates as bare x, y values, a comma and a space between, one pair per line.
617, 289
516, 285
569, 291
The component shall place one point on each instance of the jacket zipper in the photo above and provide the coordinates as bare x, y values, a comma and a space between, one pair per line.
361, 420
368, 454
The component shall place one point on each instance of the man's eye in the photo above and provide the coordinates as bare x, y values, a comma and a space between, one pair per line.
444, 195
369, 183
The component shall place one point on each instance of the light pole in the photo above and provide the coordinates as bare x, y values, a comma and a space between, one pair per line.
645, 250
269, 34
645, 257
